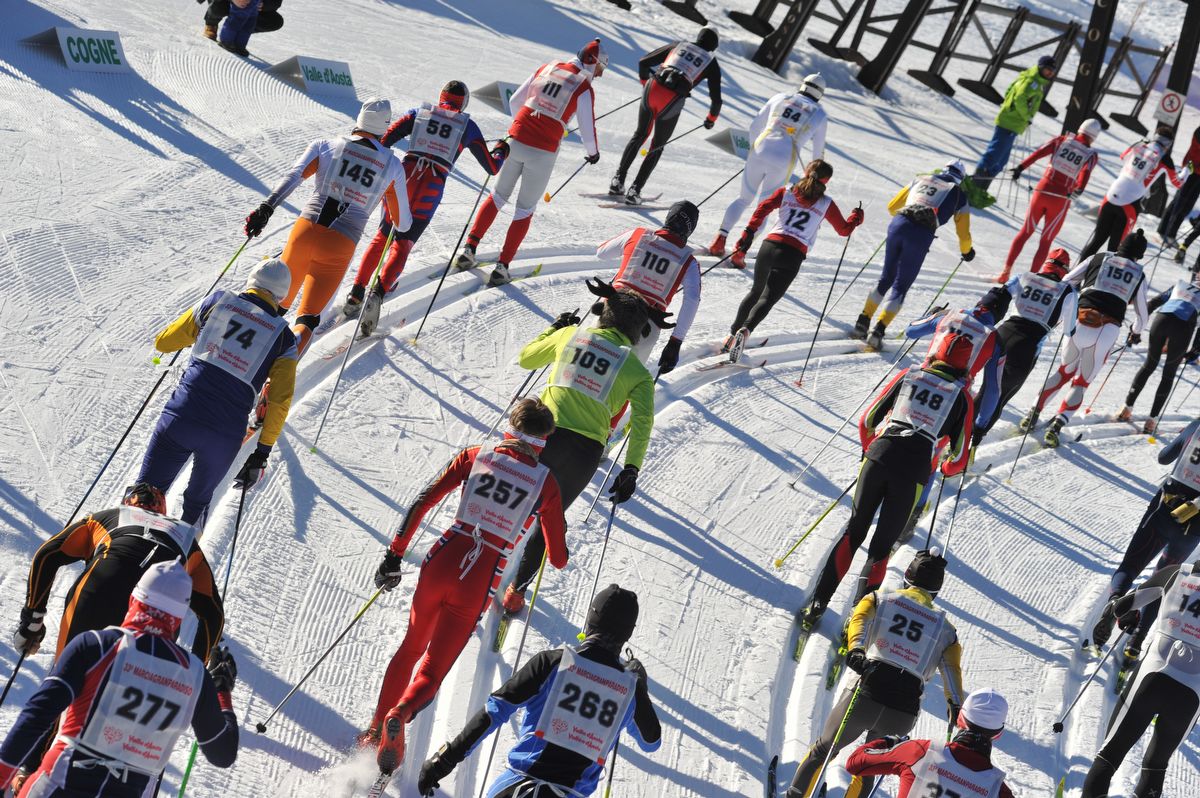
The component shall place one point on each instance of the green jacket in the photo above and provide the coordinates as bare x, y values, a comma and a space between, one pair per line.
1022, 100
578, 412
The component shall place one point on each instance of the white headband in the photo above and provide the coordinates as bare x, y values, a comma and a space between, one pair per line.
532, 440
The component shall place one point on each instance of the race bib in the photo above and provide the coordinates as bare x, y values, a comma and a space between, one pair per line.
589, 364
939, 775
500, 494
553, 89
585, 706
1038, 297
1141, 161
965, 325
1179, 617
145, 706
798, 221
1070, 157
238, 337
791, 118
653, 268
356, 174
925, 402
906, 634
1185, 291
1118, 276
929, 192
690, 59
437, 133
176, 531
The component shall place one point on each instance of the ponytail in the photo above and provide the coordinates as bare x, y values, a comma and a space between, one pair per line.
812, 186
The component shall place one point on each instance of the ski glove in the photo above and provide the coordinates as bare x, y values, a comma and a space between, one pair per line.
969, 255
952, 710
436, 768
1016, 172
1133, 339
669, 358
253, 469
567, 319
856, 660
258, 219
855, 218
624, 485
744, 240
709, 121
592, 159
29, 634
636, 667
1129, 621
387, 576
500, 151
222, 669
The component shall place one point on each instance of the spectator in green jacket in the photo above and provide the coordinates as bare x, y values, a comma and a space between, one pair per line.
1021, 103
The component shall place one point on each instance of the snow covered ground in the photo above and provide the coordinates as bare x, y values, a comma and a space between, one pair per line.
125, 198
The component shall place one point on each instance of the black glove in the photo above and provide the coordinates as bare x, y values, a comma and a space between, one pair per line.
592, 159
709, 121
636, 667
744, 241
387, 575
1191, 356
1016, 172
952, 710
969, 255
624, 485
222, 669
669, 358
856, 660
29, 634
436, 768
1133, 339
566, 319
258, 219
1129, 621
500, 151
1104, 626
253, 469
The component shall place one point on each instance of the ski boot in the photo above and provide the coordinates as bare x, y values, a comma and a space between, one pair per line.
717, 248
725, 347
370, 311
499, 276
1003, 276
391, 747
466, 258
210, 32
634, 195
1030, 420
875, 339
368, 738
1126, 413
1180, 254
1051, 438
514, 600
616, 186
1150, 427
859, 333
739, 344
811, 615
354, 300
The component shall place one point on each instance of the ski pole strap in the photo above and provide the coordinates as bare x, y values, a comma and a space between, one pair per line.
815, 524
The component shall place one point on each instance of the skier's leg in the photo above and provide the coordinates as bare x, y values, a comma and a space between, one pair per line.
1154, 346
330, 253
1107, 219
899, 504
506, 181
1178, 334
1018, 243
865, 714
913, 257
893, 251
1091, 360
371, 255
757, 292
644, 123
868, 496
664, 126
760, 168
212, 455
890, 722
1147, 542
784, 262
1055, 216
539, 165
1069, 364
165, 456
298, 253
1177, 708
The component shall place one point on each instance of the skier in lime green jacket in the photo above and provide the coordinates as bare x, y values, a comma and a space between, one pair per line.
1021, 103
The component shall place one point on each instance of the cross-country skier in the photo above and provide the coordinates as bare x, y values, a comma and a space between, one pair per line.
778, 133
576, 701
896, 641
1166, 690
503, 485
117, 546
918, 210
1022, 99
681, 67
1171, 331
351, 175
1072, 160
1185, 199
657, 264
125, 694
1140, 166
1039, 301
591, 379
544, 105
802, 208
905, 432
238, 341
1108, 283
437, 135
929, 768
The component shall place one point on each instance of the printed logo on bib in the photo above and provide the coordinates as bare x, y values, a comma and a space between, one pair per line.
437, 132
585, 706
1038, 298
1141, 162
906, 634
500, 494
176, 531
589, 364
939, 775
1070, 157
690, 59
552, 91
237, 337
653, 268
1118, 276
798, 221
356, 174
925, 402
929, 191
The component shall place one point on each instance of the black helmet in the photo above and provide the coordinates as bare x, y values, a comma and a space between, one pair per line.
612, 616
707, 38
682, 219
1133, 246
926, 571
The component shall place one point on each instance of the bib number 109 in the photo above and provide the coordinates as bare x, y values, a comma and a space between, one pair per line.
590, 360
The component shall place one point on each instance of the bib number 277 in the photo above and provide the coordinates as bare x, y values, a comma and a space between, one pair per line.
134, 698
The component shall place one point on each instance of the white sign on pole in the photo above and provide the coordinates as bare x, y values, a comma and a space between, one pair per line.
317, 76
1170, 106
734, 141
86, 50
497, 95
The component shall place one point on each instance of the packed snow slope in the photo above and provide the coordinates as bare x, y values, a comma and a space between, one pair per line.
124, 198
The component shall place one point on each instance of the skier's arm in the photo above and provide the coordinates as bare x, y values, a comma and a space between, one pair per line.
641, 402
542, 350
860, 621
585, 111
477, 144
764, 209
990, 395
758, 126
304, 168
922, 327
691, 300
951, 667
400, 129
962, 226
1141, 314
1171, 451
644, 725
513, 694
554, 525
1158, 301
215, 725
875, 758
876, 411
1085, 174
960, 436
899, 201
652, 59
74, 544
818, 137
518, 97
1150, 591
712, 75
283, 387
453, 475
184, 331
1068, 309
1076, 275
1041, 152
833, 215
395, 199
614, 248
205, 603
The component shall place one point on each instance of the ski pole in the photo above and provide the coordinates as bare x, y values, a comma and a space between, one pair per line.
854, 279
606, 113
962, 480
1187, 396
933, 521
13, 678
1100, 390
815, 524
929, 308
1154, 267
1045, 382
612, 514
866, 397
548, 196
354, 337
718, 188
1058, 724
450, 260
836, 739
261, 727
1162, 410
825, 307
718, 263
612, 768
644, 153
516, 665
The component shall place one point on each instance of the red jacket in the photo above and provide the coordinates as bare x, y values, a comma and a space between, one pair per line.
544, 132
1053, 181
772, 203
875, 759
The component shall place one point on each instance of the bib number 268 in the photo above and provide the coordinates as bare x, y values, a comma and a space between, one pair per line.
588, 705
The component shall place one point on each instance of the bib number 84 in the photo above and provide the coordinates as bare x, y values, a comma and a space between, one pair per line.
588, 705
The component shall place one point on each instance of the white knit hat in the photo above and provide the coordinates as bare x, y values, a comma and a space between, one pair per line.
986, 709
167, 587
374, 116
273, 276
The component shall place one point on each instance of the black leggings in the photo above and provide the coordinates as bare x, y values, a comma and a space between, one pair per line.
1175, 705
1170, 331
664, 125
1022, 342
774, 270
572, 459
1180, 207
1110, 228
